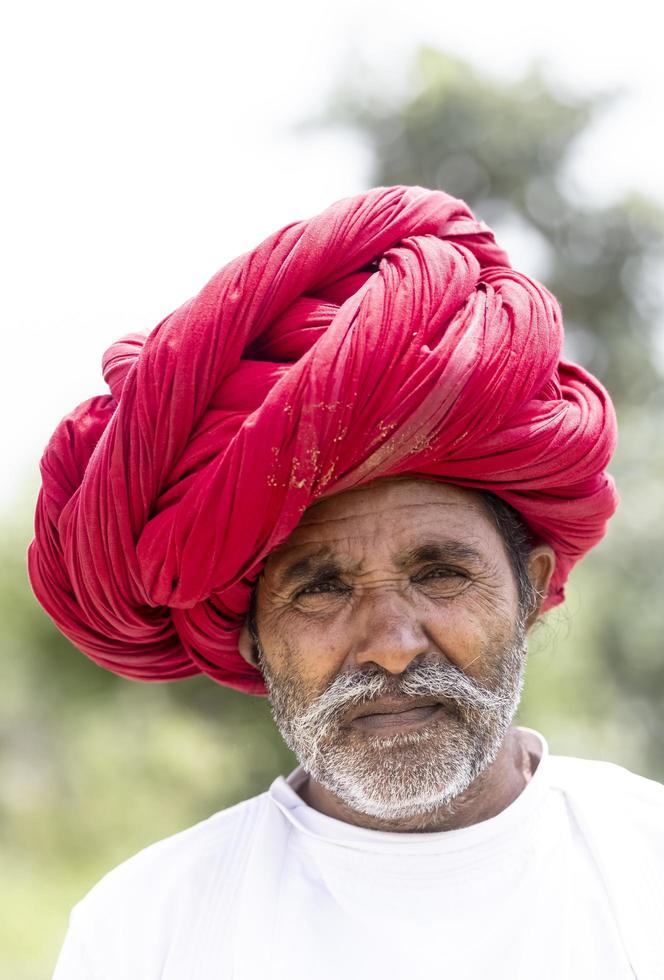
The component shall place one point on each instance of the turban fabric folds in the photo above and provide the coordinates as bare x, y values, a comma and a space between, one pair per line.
388, 335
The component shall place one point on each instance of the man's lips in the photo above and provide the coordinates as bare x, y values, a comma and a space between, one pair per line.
404, 713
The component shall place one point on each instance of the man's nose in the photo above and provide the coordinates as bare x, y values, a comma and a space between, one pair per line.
388, 632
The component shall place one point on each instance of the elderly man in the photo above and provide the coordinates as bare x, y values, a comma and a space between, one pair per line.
351, 473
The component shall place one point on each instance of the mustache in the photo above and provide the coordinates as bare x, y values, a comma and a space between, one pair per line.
439, 681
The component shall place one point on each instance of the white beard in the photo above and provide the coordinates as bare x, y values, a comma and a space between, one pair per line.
411, 773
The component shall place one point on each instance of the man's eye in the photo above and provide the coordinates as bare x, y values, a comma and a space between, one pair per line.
442, 572
321, 588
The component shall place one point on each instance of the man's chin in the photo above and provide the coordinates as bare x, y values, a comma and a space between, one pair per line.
398, 778
399, 801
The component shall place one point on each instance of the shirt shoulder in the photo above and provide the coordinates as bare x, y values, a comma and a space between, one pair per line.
623, 797
197, 850
618, 817
573, 770
135, 910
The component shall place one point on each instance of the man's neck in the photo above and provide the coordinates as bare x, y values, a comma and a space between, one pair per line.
488, 795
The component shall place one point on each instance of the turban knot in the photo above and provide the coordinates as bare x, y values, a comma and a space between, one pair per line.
388, 335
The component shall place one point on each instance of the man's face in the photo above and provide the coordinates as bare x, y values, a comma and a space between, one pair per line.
392, 645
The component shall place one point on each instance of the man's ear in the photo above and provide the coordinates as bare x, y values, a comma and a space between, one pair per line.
541, 566
246, 646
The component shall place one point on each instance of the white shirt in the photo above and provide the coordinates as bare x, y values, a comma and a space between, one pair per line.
566, 883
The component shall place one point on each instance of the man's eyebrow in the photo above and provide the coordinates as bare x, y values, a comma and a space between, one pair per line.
323, 563
447, 550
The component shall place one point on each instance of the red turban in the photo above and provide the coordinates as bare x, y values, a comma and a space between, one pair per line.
387, 335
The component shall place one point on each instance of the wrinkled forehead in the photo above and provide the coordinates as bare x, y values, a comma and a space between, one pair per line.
389, 517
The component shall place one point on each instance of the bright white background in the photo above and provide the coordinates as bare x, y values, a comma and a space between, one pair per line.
147, 143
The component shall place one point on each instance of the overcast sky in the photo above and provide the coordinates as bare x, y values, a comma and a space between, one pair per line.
151, 142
